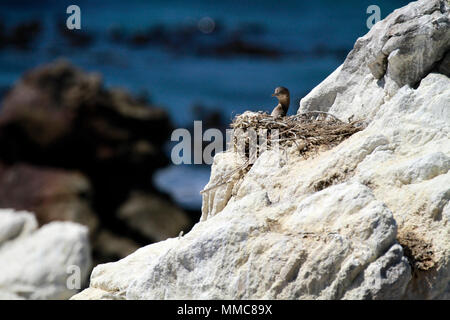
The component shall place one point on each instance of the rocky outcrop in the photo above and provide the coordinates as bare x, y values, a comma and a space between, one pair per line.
21, 36
368, 219
61, 116
399, 50
66, 141
37, 263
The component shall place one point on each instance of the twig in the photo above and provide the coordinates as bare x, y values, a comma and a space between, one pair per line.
322, 112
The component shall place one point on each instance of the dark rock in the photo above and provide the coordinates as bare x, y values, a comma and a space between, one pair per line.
3, 91
157, 34
444, 65
63, 119
20, 36
3, 39
52, 194
108, 246
251, 28
23, 34
188, 38
153, 216
211, 118
238, 46
60, 116
75, 37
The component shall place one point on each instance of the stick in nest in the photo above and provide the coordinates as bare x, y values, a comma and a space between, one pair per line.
328, 131
227, 177
300, 130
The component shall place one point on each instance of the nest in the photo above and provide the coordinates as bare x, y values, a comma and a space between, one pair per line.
306, 133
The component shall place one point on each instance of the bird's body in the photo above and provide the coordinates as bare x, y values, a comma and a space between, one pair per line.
278, 111
282, 94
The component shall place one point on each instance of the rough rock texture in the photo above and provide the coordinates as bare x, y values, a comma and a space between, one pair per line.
35, 263
399, 50
368, 219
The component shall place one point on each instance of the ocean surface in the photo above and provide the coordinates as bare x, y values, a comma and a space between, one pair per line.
314, 36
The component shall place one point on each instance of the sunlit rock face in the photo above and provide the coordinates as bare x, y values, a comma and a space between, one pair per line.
400, 50
368, 219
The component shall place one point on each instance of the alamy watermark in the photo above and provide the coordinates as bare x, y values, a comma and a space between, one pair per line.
73, 281
248, 143
375, 16
74, 20
206, 24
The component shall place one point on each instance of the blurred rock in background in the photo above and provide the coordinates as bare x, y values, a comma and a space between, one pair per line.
53, 194
38, 263
73, 150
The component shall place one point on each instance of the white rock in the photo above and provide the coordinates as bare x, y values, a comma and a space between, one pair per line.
216, 199
249, 251
385, 278
37, 263
423, 168
15, 224
399, 50
327, 227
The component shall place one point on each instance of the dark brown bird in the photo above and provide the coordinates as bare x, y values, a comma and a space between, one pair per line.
282, 94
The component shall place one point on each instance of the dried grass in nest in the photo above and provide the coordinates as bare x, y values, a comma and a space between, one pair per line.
308, 131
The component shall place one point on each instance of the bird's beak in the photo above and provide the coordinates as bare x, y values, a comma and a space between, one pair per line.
274, 94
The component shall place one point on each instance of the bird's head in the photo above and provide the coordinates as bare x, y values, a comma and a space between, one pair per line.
281, 93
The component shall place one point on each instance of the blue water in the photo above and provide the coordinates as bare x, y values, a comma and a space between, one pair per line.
184, 183
175, 81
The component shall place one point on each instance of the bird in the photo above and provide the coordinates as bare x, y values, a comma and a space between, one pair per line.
282, 94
